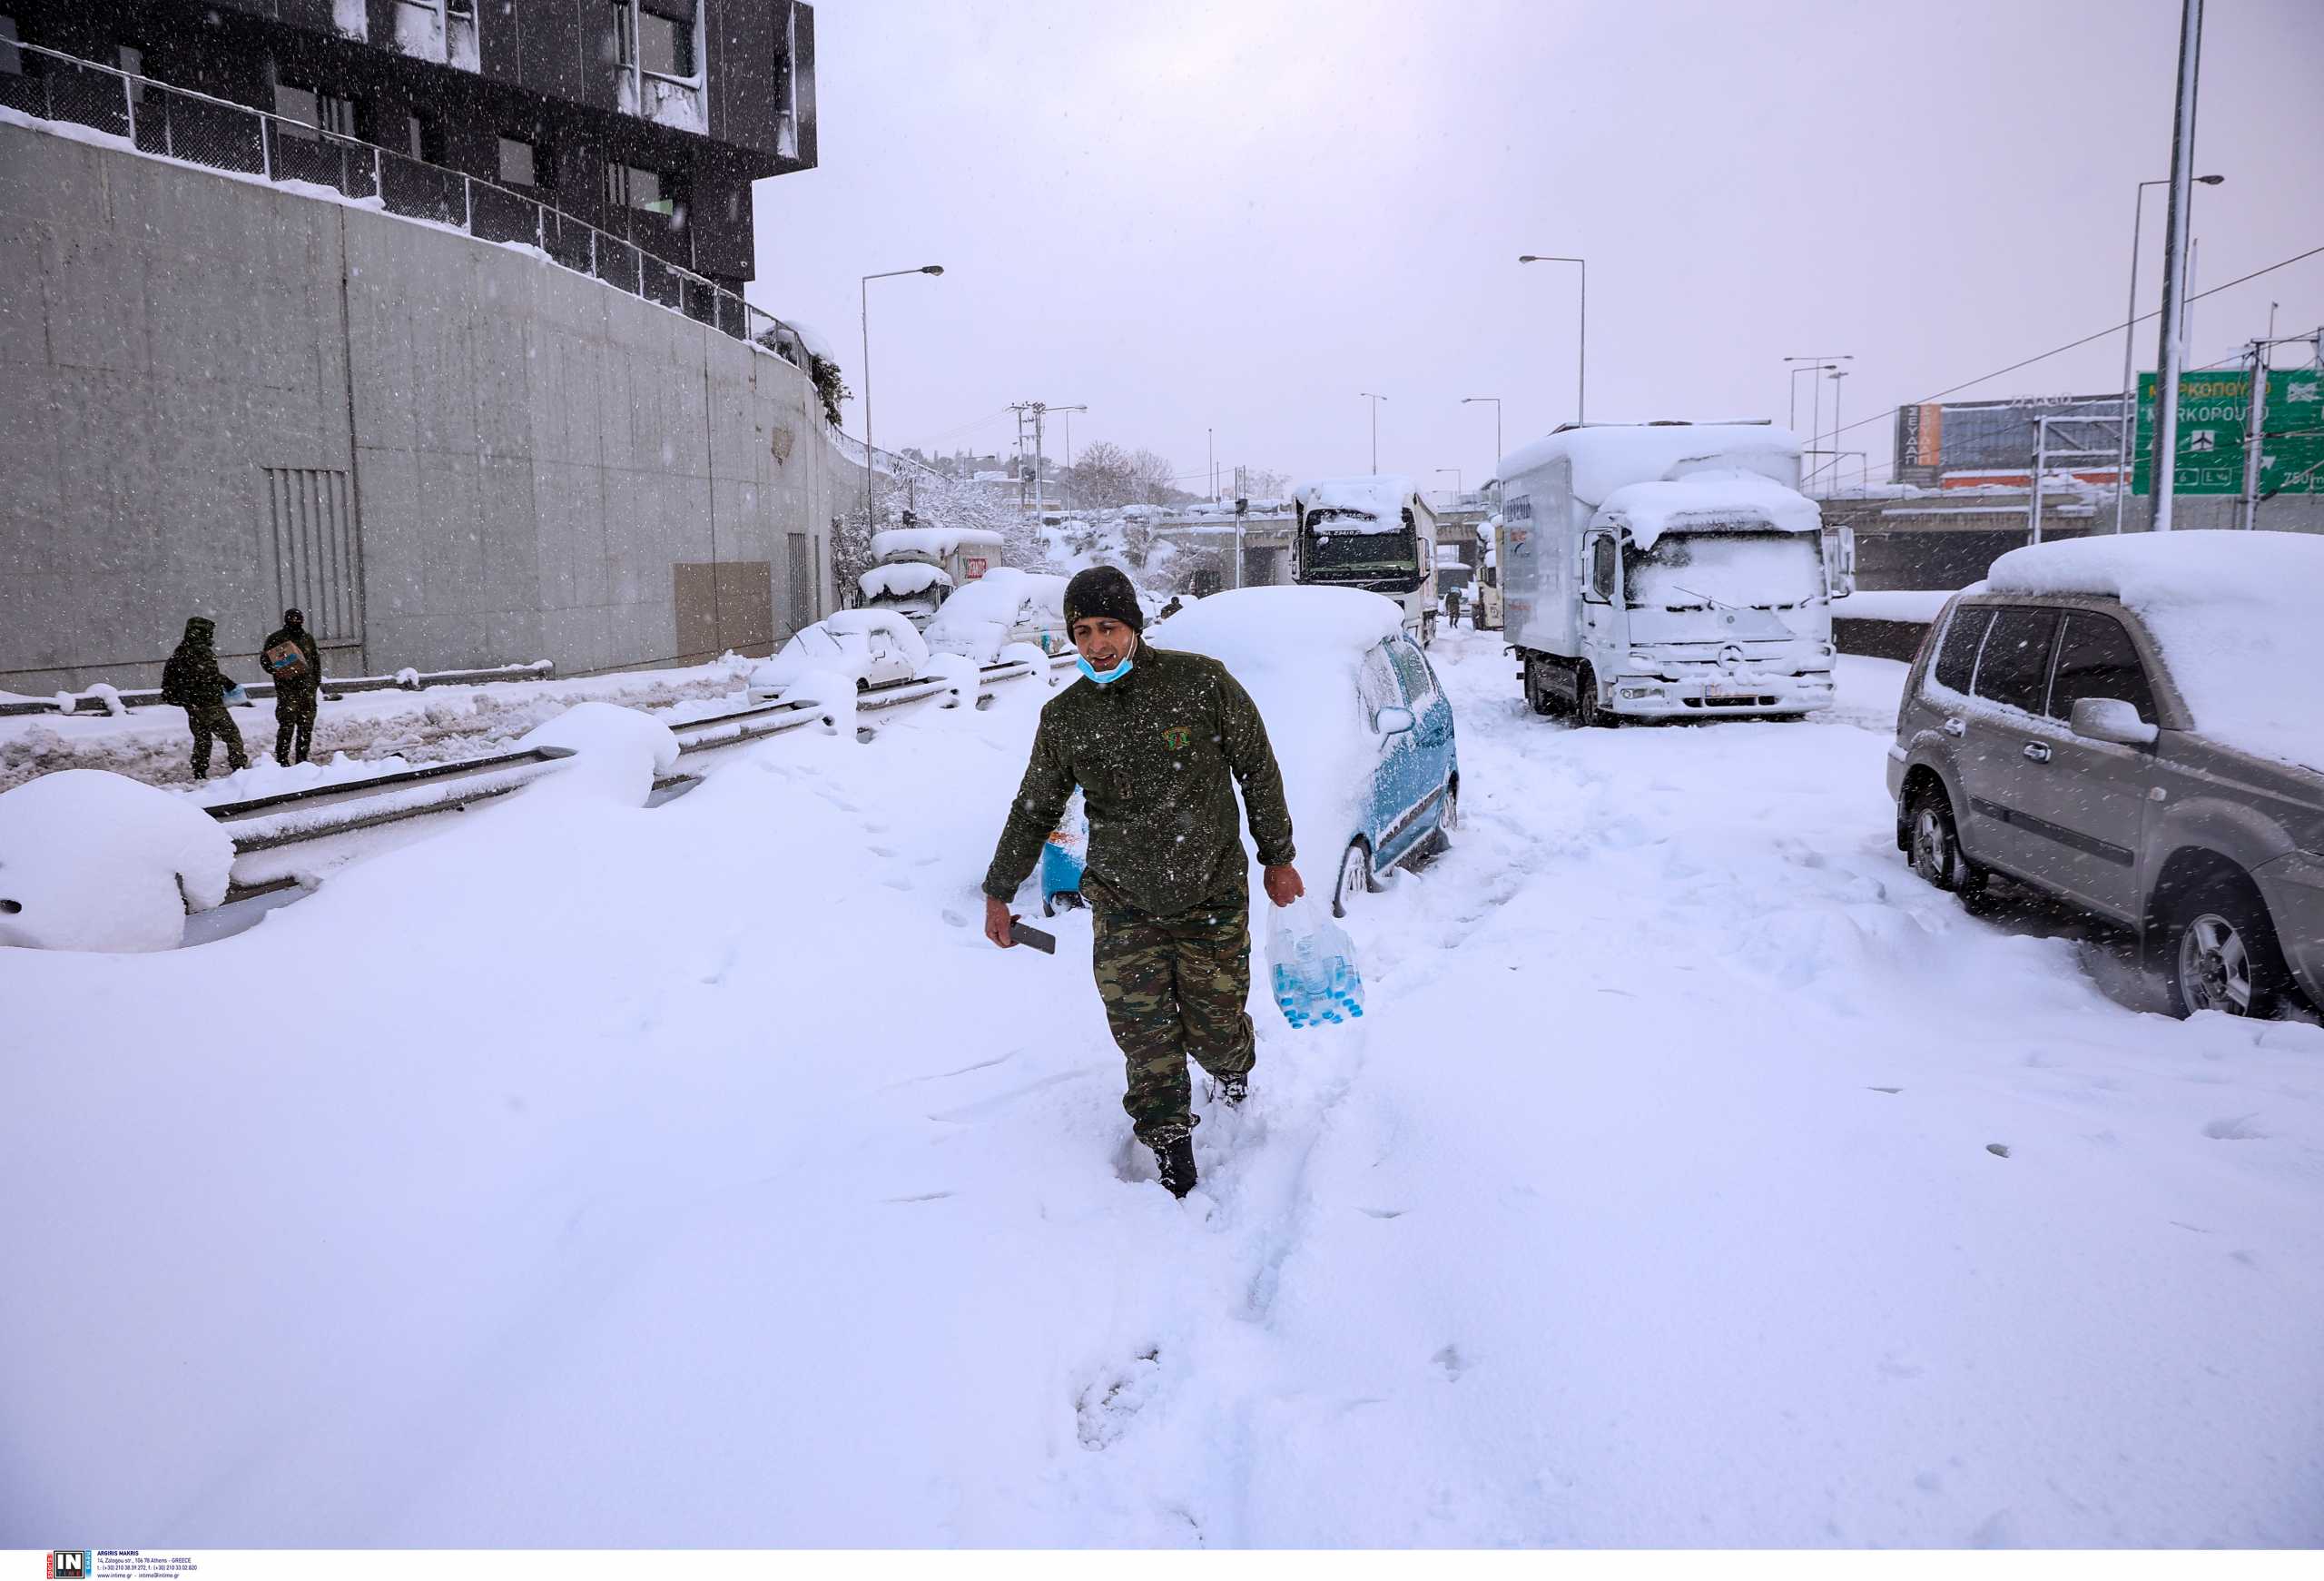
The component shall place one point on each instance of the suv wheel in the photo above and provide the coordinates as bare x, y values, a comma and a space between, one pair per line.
2220, 952
1936, 847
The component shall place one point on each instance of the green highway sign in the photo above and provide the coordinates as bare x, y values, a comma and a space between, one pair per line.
2214, 411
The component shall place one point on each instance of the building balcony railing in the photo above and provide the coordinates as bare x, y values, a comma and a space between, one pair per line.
179, 123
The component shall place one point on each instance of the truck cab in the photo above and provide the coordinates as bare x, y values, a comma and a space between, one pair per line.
1375, 533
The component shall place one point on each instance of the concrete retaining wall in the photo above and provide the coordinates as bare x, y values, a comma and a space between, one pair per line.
204, 380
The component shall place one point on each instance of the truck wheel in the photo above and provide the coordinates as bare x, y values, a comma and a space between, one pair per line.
1536, 693
2219, 951
1587, 714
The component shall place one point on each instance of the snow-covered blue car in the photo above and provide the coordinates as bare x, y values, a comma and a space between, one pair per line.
1362, 729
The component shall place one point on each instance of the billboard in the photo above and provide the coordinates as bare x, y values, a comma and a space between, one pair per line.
1933, 438
2214, 416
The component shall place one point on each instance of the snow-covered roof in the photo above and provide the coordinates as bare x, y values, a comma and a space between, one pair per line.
1717, 501
902, 579
2239, 616
1607, 456
1382, 497
933, 541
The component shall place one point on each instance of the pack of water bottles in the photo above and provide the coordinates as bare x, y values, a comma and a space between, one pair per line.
1312, 966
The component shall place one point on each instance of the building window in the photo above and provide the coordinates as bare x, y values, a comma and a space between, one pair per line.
12, 59
422, 139
660, 39
132, 59
305, 111
628, 187
516, 163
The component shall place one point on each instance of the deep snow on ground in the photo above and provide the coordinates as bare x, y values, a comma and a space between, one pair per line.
698, 1176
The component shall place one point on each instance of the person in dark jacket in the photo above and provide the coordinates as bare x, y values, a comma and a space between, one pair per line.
296, 664
1157, 741
193, 680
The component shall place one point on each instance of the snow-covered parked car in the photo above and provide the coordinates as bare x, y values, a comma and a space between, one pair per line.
877, 645
2132, 724
1358, 722
1003, 606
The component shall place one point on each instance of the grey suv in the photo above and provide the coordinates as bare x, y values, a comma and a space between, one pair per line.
2042, 736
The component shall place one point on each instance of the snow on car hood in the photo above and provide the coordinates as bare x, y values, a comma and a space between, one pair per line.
936, 541
902, 580
2237, 614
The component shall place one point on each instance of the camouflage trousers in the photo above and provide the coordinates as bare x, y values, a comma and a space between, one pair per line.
214, 723
1172, 987
294, 723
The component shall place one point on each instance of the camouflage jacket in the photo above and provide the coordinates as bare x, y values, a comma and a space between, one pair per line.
1157, 755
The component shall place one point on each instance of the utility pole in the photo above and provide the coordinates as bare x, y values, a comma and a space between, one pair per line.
2173, 350
2255, 429
1375, 400
1822, 361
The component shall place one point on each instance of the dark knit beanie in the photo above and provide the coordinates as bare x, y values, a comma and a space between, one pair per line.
1102, 591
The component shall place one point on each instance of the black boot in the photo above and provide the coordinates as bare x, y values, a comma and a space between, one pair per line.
1231, 1089
1176, 1160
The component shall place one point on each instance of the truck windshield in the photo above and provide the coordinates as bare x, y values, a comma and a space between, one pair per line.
1361, 554
1751, 570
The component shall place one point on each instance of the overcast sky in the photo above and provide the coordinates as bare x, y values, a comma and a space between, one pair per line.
1238, 216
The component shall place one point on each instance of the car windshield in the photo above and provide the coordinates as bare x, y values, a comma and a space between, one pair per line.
1754, 571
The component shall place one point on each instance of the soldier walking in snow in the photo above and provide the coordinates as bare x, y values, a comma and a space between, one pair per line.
296, 664
1158, 746
193, 680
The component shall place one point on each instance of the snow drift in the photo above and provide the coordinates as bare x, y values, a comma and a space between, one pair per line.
93, 861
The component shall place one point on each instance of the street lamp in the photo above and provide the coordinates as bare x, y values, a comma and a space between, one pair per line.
1836, 375
1582, 344
1820, 361
863, 294
1496, 428
1456, 477
1375, 400
2129, 390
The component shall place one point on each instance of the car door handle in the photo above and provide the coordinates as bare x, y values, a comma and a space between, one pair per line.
1953, 728
2037, 752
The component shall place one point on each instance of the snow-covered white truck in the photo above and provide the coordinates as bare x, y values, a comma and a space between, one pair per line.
1668, 569
918, 567
1375, 533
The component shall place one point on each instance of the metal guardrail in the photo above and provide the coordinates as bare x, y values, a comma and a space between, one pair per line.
539, 669
261, 825
183, 124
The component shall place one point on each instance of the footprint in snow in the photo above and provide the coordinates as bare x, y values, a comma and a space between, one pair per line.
1104, 1407
1452, 1362
2235, 1128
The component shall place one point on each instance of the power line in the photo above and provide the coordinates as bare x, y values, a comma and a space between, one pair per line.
2069, 345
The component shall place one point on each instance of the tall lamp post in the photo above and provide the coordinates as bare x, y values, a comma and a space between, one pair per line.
2130, 335
2171, 354
1375, 400
1465, 400
863, 294
1836, 375
1456, 477
1821, 361
1582, 343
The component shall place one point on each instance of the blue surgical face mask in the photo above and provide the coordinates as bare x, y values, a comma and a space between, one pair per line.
1109, 677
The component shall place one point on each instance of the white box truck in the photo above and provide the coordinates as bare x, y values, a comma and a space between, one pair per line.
1667, 570
1375, 533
